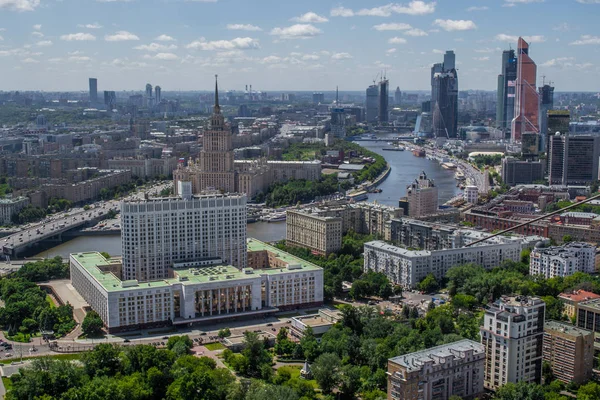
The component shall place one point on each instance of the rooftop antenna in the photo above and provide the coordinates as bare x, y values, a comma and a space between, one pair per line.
543, 80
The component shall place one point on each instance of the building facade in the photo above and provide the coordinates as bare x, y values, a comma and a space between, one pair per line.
454, 369
11, 206
471, 194
422, 196
569, 351
200, 291
158, 232
512, 335
526, 95
145, 167
372, 104
573, 160
505, 103
516, 172
384, 89
563, 260
572, 300
93, 90
588, 315
408, 267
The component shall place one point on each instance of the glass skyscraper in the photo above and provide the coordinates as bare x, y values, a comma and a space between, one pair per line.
526, 95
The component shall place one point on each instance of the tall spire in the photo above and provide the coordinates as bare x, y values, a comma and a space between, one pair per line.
336, 96
217, 109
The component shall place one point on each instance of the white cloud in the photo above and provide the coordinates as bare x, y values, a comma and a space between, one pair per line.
451, 25
44, 43
166, 56
341, 56
113, 1
563, 27
436, 51
397, 40
30, 60
390, 51
79, 59
243, 27
341, 12
78, 37
310, 18
475, 8
310, 57
529, 39
511, 3
156, 47
95, 25
415, 7
121, 36
37, 27
37, 34
271, 60
481, 58
488, 50
416, 32
589, 1
298, 31
19, 5
165, 38
1, 38
586, 39
126, 64
392, 27
244, 43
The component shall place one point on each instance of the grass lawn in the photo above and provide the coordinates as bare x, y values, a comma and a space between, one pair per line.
7, 383
294, 371
68, 357
21, 337
214, 346
50, 302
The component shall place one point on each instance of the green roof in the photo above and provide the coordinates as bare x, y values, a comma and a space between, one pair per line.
92, 262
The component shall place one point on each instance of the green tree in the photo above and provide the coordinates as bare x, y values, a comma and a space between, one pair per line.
102, 360
92, 324
309, 344
589, 391
223, 333
567, 239
520, 391
326, 369
429, 284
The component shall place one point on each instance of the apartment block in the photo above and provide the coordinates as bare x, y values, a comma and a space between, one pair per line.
512, 335
569, 351
454, 369
588, 315
562, 260
10, 207
407, 268
572, 300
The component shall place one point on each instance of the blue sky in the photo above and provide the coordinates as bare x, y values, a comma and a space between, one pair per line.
288, 45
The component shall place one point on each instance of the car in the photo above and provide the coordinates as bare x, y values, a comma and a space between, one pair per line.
126, 341
274, 330
203, 334
269, 324
8, 355
165, 338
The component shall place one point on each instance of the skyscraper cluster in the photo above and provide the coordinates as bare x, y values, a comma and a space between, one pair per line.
378, 101
444, 97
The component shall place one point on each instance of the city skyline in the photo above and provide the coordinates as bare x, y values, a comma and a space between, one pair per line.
306, 46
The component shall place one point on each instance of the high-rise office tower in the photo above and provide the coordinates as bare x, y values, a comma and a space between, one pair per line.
573, 160
372, 103
435, 68
110, 99
157, 94
558, 121
159, 232
512, 334
318, 98
338, 118
526, 96
398, 96
445, 113
148, 95
449, 60
93, 90
546, 93
384, 86
505, 103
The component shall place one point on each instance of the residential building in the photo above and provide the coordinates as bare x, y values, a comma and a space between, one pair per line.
86, 189
318, 98
512, 335
422, 196
588, 314
110, 99
156, 233
372, 104
150, 168
573, 159
157, 94
338, 122
471, 194
417, 234
10, 207
526, 96
505, 103
562, 260
569, 351
437, 373
517, 172
320, 229
409, 267
93, 90
203, 291
572, 300
384, 112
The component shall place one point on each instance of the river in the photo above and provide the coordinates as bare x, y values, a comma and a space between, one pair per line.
405, 168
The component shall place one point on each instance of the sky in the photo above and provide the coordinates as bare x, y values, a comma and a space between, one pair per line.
56, 45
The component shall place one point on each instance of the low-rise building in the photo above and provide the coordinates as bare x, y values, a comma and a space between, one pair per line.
569, 351
512, 335
562, 260
588, 315
10, 207
515, 172
319, 323
438, 373
408, 267
572, 300
274, 281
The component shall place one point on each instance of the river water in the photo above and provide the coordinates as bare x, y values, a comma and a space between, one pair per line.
405, 168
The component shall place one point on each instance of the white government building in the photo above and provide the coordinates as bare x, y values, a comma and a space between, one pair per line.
408, 267
197, 291
563, 260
